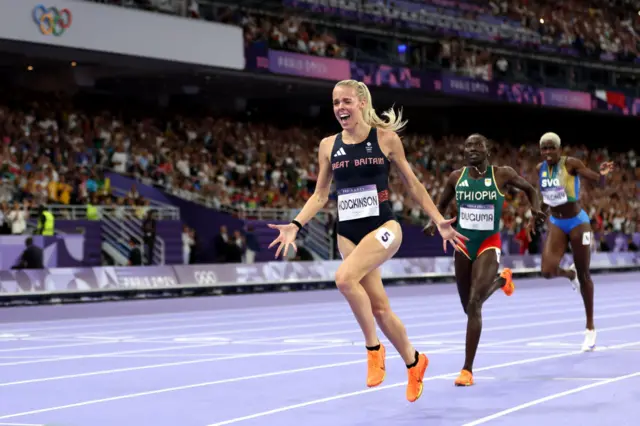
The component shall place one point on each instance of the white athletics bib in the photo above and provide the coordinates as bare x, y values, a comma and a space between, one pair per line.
356, 203
554, 196
477, 217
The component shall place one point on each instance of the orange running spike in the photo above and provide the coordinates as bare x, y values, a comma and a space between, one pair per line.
464, 379
416, 376
376, 371
509, 286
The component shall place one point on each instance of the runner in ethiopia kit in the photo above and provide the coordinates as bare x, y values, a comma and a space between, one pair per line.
359, 159
559, 181
479, 193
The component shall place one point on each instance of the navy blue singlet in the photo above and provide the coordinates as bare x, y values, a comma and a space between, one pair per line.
361, 175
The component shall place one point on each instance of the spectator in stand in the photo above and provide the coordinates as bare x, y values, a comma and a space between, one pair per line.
220, 245
242, 166
291, 33
252, 245
188, 242
31, 257
149, 235
135, 254
18, 217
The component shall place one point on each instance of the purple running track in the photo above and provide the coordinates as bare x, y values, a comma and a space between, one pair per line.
297, 358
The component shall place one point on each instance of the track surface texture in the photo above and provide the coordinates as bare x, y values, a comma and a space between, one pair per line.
291, 359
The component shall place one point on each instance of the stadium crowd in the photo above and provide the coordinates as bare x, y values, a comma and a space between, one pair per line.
55, 153
59, 157
54, 158
596, 29
585, 27
592, 27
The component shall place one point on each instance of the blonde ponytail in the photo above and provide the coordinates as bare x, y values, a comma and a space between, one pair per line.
394, 120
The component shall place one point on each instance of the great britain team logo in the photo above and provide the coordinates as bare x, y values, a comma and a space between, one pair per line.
52, 21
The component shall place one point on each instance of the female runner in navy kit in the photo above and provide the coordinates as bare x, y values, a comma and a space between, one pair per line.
359, 159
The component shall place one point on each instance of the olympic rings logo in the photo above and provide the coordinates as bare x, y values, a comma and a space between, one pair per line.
51, 21
205, 277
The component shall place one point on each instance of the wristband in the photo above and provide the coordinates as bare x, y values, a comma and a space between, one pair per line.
296, 223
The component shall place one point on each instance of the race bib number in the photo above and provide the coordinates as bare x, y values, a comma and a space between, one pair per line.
358, 203
477, 217
554, 196
386, 237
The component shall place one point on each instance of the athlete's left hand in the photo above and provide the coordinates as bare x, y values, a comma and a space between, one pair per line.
537, 219
606, 167
449, 234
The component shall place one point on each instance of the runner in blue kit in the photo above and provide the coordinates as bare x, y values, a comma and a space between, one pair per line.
359, 159
559, 180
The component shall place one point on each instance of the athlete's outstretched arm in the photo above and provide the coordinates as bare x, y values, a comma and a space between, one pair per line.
449, 191
512, 178
287, 233
583, 171
417, 191
448, 194
420, 195
321, 192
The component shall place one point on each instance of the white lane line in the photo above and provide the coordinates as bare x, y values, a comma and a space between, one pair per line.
275, 308
385, 387
225, 314
170, 364
201, 344
581, 379
106, 354
334, 345
21, 424
551, 398
463, 320
516, 312
300, 370
327, 308
203, 322
71, 345
217, 342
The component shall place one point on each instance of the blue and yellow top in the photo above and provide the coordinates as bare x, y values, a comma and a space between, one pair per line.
557, 185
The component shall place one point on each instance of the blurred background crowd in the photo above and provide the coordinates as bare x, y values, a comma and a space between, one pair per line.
55, 150
59, 158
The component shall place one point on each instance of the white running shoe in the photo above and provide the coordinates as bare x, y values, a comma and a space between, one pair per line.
589, 343
574, 282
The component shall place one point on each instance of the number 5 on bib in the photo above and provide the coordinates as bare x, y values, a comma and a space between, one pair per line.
385, 237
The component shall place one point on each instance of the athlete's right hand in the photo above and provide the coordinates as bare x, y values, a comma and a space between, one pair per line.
449, 234
286, 238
